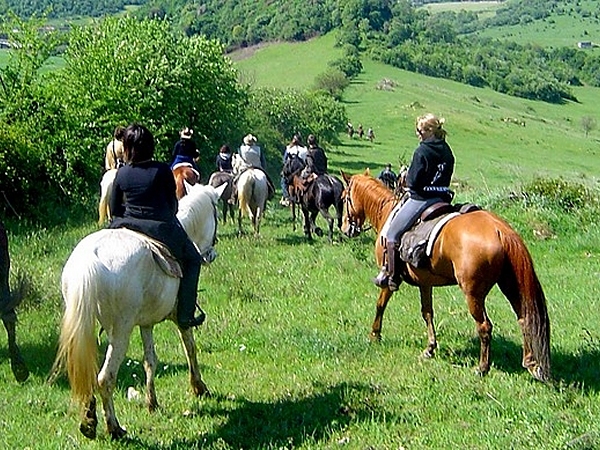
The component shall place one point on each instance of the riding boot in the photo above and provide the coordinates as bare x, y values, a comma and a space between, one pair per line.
394, 278
186, 304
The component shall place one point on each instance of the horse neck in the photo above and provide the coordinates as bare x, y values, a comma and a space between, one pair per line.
377, 205
197, 216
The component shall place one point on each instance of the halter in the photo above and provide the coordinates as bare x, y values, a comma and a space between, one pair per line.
354, 225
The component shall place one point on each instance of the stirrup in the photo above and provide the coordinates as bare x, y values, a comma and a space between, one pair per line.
382, 279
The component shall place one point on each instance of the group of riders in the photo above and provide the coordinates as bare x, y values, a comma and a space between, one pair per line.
143, 197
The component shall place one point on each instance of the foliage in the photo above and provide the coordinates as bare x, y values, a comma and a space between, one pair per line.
64, 8
558, 193
118, 71
276, 115
333, 82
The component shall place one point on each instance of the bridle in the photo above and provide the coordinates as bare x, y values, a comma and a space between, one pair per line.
355, 225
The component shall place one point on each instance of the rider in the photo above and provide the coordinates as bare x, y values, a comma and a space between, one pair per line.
253, 156
428, 181
295, 149
143, 199
185, 150
223, 161
388, 177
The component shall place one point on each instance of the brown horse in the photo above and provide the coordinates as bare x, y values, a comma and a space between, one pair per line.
475, 251
184, 173
227, 201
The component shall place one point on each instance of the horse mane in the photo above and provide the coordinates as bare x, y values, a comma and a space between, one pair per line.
374, 195
195, 208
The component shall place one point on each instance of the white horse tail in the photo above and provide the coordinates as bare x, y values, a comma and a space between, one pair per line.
105, 190
77, 351
244, 196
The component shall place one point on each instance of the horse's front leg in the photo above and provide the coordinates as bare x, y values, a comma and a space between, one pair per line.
150, 361
427, 314
384, 296
17, 363
198, 386
107, 378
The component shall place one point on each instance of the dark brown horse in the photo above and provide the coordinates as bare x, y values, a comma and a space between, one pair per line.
475, 251
8, 302
314, 197
184, 173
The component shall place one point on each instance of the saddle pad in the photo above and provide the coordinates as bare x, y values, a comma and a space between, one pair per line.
161, 254
436, 229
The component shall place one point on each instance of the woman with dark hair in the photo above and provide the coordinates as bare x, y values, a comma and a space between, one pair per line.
223, 161
428, 182
143, 199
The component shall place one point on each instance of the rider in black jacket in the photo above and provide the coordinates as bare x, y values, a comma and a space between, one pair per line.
143, 199
428, 182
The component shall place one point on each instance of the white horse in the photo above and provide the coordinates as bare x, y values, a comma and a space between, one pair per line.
112, 276
252, 192
105, 190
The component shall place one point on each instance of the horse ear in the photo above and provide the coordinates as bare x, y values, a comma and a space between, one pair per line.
220, 189
368, 172
345, 176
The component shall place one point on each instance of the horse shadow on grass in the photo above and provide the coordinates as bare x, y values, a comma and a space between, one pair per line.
288, 422
580, 369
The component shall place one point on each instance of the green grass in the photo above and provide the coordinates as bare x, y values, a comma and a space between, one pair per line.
285, 348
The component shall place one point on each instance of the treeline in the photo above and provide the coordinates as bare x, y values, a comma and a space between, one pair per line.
54, 126
65, 9
398, 33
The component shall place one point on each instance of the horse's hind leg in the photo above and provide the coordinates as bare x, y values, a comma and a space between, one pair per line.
89, 423
107, 378
150, 361
476, 304
427, 314
198, 386
17, 363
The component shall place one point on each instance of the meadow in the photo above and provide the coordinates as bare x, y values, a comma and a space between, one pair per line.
285, 349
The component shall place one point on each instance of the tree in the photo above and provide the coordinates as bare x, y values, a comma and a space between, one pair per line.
588, 124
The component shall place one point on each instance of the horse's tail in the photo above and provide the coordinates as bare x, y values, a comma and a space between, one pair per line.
522, 287
244, 197
77, 350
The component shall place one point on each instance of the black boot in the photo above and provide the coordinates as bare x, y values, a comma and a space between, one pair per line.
394, 278
387, 276
186, 304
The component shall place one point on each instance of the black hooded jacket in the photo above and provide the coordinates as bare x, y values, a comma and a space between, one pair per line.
431, 170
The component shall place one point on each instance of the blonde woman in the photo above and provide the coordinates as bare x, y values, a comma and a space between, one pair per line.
428, 182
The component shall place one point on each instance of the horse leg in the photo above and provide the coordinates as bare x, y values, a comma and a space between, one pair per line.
293, 210
427, 314
150, 361
89, 422
329, 218
17, 363
476, 304
307, 223
107, 378
382, 301
198, 386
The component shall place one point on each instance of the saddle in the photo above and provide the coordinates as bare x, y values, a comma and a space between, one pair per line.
416, 244
186, 164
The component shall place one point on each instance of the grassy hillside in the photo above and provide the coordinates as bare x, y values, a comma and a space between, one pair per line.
499, 140
578, 21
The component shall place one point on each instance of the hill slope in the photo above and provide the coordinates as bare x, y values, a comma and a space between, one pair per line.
499, 140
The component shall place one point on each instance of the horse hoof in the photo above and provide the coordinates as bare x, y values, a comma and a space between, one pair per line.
117, 433
19, 369
88, 430
427, 354
481, 372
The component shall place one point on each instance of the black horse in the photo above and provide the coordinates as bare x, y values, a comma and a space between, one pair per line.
314, 197
8, 302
